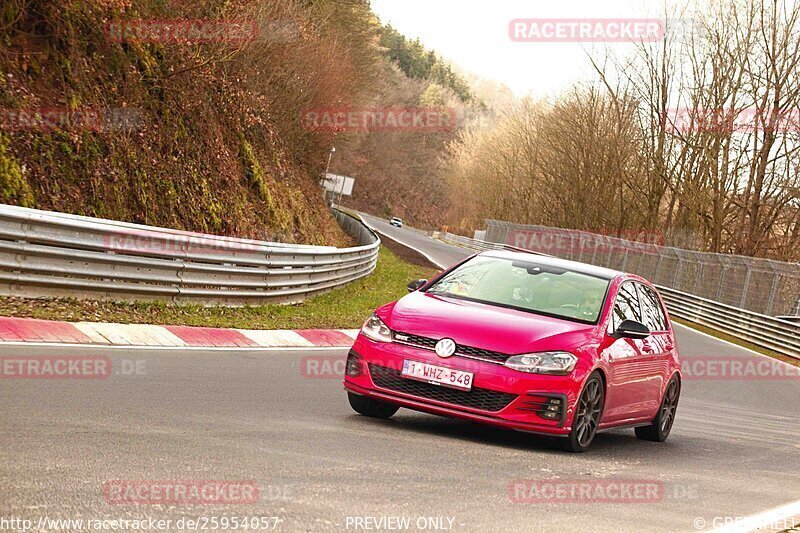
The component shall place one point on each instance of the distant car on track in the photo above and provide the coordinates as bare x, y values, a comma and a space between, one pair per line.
397, 222
524, 342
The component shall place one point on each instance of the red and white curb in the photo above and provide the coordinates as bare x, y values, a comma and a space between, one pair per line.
28, 330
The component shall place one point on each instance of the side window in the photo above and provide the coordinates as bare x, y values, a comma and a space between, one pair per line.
653, 314
626, 306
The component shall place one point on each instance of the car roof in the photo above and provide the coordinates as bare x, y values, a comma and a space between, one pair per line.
575, 266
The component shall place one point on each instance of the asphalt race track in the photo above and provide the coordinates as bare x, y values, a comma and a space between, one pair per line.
253, 415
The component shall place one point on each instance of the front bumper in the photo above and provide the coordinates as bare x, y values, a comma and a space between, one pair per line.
500, 396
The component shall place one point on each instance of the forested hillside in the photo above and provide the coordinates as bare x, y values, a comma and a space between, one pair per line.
419, 63
108, 111
195, 131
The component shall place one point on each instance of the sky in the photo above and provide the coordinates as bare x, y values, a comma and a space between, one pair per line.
473, 34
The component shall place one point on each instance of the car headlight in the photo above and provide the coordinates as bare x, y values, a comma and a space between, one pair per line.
375, 329
558, 363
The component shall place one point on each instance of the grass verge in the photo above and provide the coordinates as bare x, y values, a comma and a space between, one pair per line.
345, 307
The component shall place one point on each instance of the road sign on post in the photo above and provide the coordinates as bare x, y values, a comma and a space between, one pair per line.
337, 186
340, 185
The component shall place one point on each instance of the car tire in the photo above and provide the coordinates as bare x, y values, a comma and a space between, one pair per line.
659, 428
588, 412
370, 407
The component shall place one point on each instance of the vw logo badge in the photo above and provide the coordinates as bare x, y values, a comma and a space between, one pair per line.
445, 347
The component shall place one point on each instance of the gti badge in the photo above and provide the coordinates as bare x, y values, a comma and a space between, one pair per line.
445, 347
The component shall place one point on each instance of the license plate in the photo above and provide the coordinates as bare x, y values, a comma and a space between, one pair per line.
438, 375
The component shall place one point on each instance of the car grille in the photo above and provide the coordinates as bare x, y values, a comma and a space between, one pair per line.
461, 350
483, 399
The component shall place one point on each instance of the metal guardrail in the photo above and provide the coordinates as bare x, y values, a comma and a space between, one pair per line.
44, 253
473, 244
776, 334
763, 330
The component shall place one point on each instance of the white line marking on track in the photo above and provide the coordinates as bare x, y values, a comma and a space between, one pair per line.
778, 519
428, 257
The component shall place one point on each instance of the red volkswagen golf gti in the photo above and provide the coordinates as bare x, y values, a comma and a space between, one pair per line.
524, 342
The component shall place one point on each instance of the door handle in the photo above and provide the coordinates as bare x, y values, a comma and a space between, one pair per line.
646, 348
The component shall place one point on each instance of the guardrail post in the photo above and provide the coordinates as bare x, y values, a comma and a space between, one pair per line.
721, 280
772, 291
656, 278
746, 285
696, 288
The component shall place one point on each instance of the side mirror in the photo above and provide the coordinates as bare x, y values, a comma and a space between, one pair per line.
632, 329
416, 284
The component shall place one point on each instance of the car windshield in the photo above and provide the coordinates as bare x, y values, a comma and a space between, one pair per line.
526, 286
